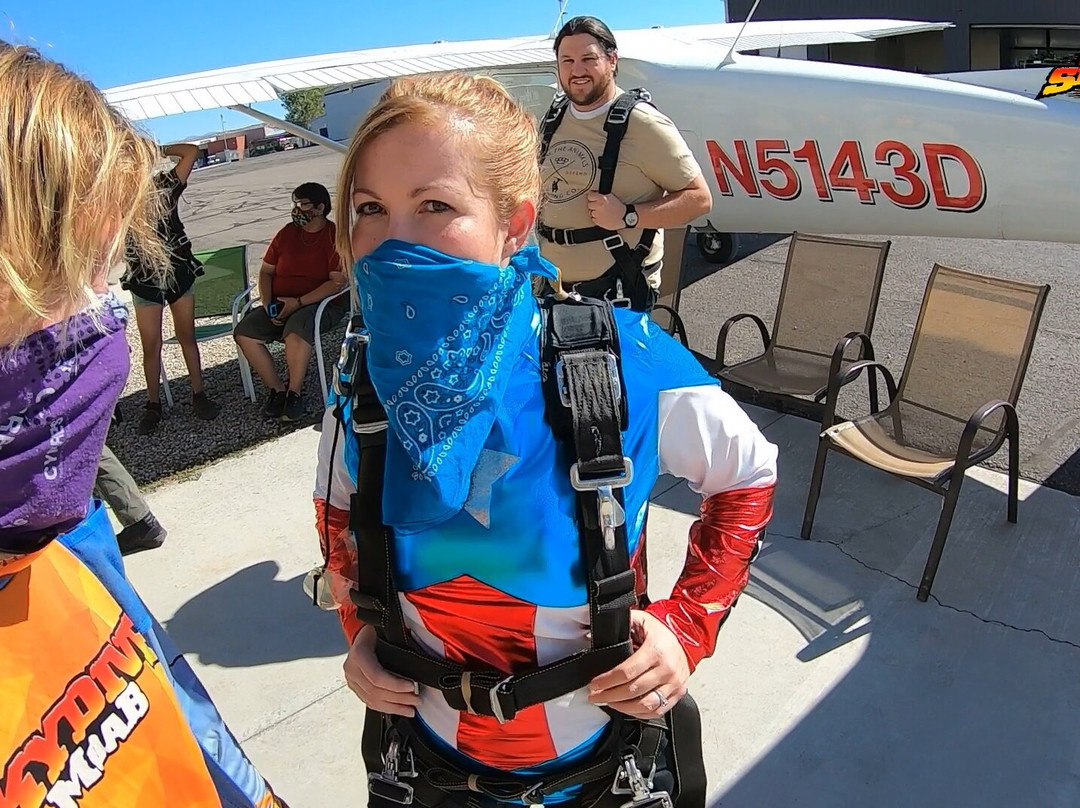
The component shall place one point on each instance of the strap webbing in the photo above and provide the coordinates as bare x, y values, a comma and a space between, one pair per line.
615, 125
586, 405
552, 120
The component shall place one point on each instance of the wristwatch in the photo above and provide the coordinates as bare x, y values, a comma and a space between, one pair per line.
630, 218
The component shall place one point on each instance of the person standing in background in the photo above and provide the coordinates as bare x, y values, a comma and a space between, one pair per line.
604, 227
152, 290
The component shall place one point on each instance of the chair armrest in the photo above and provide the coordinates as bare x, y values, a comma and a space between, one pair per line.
236, 313
967, 437
842, 346
721, 338
844, 377
326, 301
678, 328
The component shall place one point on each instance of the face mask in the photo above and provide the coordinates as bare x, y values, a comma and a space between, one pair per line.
300, 218
58, 389
445, 335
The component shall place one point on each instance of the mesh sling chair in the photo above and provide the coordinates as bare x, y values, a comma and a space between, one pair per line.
828, 299
955, 404
220, 292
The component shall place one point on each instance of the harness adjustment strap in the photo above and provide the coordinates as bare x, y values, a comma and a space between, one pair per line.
494, 694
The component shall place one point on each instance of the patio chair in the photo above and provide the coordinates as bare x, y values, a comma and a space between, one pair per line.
221, 291
666, 310
955, 404
828, 299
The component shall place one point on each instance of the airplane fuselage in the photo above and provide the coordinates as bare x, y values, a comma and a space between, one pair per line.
795, 145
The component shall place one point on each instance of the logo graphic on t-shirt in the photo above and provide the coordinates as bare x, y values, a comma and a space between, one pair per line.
67, 755
569, 171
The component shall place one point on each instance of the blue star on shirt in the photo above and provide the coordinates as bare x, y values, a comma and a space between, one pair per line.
490, 467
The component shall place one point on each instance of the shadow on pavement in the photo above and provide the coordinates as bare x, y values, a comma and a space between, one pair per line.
252, 618
968, 700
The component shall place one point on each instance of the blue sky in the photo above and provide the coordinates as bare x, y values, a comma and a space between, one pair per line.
114, 42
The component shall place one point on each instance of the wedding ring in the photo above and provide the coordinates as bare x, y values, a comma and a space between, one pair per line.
663, 701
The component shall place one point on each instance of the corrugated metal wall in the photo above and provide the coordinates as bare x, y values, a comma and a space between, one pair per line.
1005, 13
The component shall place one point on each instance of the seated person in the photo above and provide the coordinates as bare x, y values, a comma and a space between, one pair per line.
301, 268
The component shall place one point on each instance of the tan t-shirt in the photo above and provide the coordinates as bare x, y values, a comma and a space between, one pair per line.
653, 160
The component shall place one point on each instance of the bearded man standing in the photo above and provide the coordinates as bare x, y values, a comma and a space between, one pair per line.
615, 171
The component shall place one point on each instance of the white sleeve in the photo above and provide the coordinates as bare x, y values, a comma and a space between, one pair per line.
331, 467
707, 439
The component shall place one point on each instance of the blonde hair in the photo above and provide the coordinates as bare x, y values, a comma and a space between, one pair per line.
480, 111
76, 187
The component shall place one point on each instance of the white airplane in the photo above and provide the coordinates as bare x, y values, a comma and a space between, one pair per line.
786, 144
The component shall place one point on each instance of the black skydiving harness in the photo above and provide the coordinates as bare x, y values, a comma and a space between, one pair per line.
625, 279
586, 407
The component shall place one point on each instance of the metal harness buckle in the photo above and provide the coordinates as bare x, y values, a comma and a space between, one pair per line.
609, 510
528, 799
638, 786
355, 336
613, 242
620, 300
618, 115
496, 706
386, 784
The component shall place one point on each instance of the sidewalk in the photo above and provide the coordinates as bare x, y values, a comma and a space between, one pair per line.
831, 685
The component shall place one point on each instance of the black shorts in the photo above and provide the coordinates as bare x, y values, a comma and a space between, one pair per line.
258, 325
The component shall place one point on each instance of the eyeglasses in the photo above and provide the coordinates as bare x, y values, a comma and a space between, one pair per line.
304, 205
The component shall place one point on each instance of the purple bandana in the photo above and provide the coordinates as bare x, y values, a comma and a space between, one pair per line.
57, 393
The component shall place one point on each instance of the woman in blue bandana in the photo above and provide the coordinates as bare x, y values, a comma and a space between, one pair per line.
437, 198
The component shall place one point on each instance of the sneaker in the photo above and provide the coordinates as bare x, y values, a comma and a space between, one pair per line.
275, 404
146, 534
151, 417
294, 407
205, 409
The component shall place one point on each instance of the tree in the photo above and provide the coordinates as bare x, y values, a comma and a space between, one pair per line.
303, 106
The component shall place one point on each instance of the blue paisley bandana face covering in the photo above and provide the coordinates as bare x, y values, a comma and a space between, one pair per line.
445, 335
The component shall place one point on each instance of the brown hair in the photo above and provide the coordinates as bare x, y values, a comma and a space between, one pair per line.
76, 187
592, 26
497, 127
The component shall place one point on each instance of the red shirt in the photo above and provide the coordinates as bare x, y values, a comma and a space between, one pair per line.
302, 261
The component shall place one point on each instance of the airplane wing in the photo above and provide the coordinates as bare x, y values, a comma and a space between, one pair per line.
263, 81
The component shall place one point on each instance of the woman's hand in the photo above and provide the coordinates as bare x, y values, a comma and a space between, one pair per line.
377, 688
652, 680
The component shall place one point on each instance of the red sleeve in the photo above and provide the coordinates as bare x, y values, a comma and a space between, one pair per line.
340, 557
722, 544
273, 252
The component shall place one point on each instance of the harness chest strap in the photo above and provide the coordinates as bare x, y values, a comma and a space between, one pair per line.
580, 356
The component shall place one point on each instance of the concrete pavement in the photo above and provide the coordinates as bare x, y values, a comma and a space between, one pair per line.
831, 685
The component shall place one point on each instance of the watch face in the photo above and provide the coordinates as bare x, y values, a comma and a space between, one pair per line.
631, 219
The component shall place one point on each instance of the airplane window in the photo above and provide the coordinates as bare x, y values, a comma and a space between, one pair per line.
533, 90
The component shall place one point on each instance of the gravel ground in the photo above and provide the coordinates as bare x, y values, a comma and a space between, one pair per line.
246, 203
241, 203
